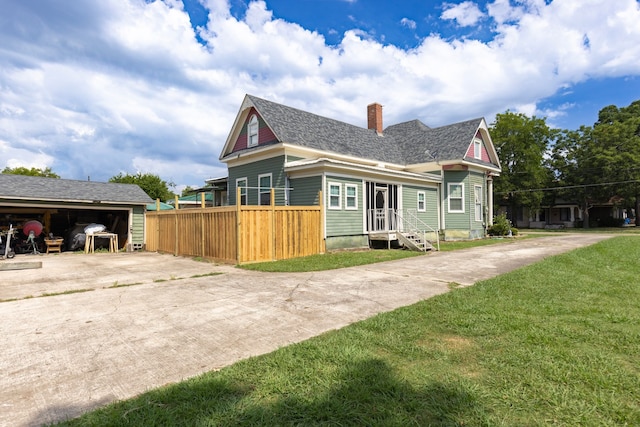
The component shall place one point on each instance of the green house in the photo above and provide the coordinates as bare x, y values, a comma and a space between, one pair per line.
406, 184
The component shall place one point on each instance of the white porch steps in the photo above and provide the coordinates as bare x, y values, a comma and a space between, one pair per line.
414, 241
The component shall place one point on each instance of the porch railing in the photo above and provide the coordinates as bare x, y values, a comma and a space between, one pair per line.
382, 220
412, 223
401, 220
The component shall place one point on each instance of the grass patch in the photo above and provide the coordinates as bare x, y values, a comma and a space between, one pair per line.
341, 259
555, 343
122, 285
331, 260
48, 294
70, 291
215, 273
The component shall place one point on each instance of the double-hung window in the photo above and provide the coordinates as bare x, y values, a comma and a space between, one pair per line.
335, 196
456, 198
477, 193
477, 149
252, 131
264, 182
422, 201
241, 183
351, 196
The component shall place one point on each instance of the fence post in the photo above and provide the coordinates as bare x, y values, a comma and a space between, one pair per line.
177, 238
238, 225
273, 223
321, 247
202, 200
202, 233
157, 224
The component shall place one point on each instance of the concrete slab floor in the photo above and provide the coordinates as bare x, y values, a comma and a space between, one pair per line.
152, 319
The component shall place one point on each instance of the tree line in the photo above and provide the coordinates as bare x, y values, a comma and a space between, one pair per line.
588, 166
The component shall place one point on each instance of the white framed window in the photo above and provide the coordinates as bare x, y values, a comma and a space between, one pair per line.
264, 190
241, 183
252, 131
477, 196
422, 201
351, 196
456, 198
477, 149
335, 196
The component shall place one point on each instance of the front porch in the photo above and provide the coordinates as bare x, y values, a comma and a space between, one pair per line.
403, 226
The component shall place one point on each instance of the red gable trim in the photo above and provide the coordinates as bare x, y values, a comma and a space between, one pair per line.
484, 154
265, 135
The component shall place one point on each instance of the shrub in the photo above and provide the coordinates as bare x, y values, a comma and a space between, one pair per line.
501, 226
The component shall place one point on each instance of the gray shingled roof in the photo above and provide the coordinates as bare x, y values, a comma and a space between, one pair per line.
53, 189
404, 143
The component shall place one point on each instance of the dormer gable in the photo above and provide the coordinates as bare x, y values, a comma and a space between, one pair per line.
252, 132
477, 149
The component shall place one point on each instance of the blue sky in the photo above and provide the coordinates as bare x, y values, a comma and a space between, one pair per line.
92, 89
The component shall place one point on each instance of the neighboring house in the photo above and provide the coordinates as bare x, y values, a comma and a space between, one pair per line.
62, 204
563, 214
567, 214
376, 183
214, 192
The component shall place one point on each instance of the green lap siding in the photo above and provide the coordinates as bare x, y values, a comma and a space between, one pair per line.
464, 220
305, 191
410, 201
274, 165
137, 224
344, 222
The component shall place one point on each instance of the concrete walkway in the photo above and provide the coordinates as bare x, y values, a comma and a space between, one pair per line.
150, 320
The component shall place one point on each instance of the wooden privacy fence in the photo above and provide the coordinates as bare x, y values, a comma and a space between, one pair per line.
238, 234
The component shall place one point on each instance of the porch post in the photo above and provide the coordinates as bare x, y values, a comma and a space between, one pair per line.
490, 199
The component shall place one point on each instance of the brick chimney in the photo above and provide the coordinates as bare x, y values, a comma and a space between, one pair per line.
374, 117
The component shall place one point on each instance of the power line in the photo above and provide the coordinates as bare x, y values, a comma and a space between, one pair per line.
567, 187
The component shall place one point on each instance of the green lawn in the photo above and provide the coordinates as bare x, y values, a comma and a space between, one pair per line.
555, 343
342, 259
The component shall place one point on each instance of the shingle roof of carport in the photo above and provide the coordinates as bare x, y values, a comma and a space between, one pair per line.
21, 187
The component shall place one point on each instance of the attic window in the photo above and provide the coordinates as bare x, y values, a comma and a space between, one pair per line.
252, 131
477, 149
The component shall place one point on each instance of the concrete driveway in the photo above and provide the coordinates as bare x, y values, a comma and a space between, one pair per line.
154, 319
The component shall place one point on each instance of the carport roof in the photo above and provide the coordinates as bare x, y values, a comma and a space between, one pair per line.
35, 188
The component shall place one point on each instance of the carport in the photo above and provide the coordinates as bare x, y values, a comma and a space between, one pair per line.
65, 206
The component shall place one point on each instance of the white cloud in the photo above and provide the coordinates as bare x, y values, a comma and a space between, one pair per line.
409, 23
124, 86
465, 14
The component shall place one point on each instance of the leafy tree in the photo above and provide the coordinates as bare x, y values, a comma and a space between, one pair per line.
21, 170
152, 184
521, 143
187, 191
569, 162
602, 161
615, 152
